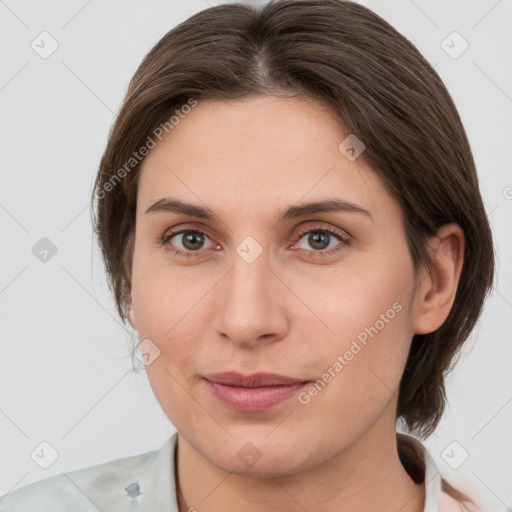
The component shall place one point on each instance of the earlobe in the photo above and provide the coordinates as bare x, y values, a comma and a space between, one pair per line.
438, 289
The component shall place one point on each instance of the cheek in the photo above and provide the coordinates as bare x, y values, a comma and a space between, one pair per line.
167, 301
171, 318
168, 316
358, 373
367, 311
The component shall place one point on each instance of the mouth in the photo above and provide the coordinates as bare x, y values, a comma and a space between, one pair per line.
257, 392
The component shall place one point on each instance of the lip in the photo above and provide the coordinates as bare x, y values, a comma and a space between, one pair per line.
255, 380
256, 392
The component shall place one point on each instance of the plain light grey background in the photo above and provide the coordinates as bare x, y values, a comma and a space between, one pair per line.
65, 368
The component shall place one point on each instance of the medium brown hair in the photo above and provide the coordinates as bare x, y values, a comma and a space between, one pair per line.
377, 85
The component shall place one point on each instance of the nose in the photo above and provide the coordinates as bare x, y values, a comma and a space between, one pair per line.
250, 304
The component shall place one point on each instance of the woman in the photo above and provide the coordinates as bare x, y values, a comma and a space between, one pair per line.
290, 218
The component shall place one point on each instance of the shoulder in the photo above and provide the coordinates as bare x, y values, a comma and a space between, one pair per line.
102, 487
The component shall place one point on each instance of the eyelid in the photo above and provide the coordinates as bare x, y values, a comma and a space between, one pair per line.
344, 241
344, 237
342, 234
169, 233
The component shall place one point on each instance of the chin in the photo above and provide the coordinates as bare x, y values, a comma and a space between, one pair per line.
262, 459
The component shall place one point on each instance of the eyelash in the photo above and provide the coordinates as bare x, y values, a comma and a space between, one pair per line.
344, 241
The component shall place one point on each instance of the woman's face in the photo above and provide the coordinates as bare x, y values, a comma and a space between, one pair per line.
266, 284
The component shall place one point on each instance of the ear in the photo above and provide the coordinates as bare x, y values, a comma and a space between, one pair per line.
437, 289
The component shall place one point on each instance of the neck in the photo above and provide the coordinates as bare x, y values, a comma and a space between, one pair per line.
368, 475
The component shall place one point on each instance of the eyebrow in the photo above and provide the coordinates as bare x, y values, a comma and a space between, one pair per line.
173, 205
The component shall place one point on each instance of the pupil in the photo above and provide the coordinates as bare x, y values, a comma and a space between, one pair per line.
321, 239
193, 241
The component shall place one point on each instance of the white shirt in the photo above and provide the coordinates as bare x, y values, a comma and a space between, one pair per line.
145, 483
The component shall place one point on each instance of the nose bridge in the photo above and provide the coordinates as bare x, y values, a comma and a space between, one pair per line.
250, 277
248, 304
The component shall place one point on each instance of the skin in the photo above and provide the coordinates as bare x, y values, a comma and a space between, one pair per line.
290, 311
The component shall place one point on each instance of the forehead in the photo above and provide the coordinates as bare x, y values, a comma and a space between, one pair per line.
252, 153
